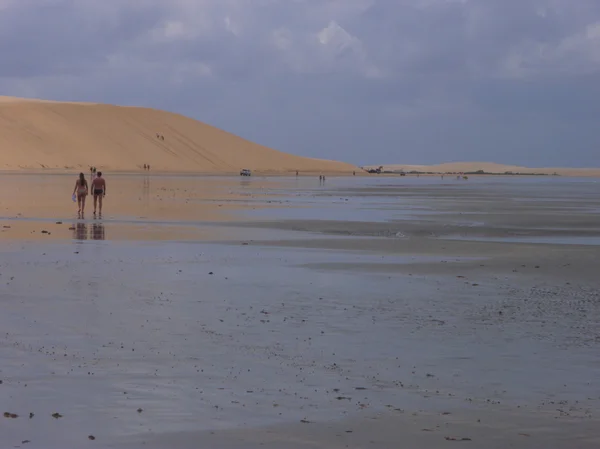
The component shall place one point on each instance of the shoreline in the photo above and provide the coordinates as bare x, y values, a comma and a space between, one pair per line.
285, 174
474, 168
179, 173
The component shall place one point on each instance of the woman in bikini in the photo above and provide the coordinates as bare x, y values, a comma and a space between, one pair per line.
81, 188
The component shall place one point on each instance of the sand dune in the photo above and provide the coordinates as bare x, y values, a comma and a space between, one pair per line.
490, 167
39, 134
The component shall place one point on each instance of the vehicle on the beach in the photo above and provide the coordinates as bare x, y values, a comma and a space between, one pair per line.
245, 172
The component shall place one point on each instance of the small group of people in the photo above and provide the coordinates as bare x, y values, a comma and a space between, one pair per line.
81, 191
147, 167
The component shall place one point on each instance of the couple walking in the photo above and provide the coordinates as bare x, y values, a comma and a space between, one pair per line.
98, 190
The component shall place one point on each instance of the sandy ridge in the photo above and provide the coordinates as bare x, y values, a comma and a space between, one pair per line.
41, 134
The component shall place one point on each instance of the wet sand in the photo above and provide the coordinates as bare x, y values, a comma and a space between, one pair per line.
168, 199
392, 321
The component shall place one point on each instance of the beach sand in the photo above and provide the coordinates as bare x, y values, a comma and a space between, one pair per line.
139, 197
70, 136
363, 313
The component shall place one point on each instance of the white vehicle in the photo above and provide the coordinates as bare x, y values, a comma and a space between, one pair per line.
245, 172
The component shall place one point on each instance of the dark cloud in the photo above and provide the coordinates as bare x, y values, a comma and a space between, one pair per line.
363, 80
49, 38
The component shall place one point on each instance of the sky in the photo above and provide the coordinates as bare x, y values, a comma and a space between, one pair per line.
364, 81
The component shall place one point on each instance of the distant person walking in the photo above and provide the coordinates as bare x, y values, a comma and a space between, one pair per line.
81, 189
99, 191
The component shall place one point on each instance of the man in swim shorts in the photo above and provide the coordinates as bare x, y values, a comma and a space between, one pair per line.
99, 191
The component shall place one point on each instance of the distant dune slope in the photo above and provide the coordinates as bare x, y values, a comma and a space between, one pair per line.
489, 167
36, 134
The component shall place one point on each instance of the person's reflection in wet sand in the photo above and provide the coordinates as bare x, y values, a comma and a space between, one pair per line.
146, 189
80, 231
97, 232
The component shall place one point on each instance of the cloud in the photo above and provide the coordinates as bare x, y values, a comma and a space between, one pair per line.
361, 80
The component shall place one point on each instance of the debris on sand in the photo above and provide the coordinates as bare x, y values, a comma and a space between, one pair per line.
10, 415
91, 437
31, 415
305, 421
458, 439
57, 415
139, 410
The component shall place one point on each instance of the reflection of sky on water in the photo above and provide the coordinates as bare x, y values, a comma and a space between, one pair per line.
551, 240
342, 212
269, 312
383, 199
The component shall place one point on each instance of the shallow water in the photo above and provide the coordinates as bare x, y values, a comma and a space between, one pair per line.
391, 199
542, 203
569, 240
216, 335
96, 330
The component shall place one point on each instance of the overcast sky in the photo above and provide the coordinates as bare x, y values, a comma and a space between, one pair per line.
366, 81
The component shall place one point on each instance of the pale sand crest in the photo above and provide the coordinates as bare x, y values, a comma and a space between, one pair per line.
489, 167
39, 134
